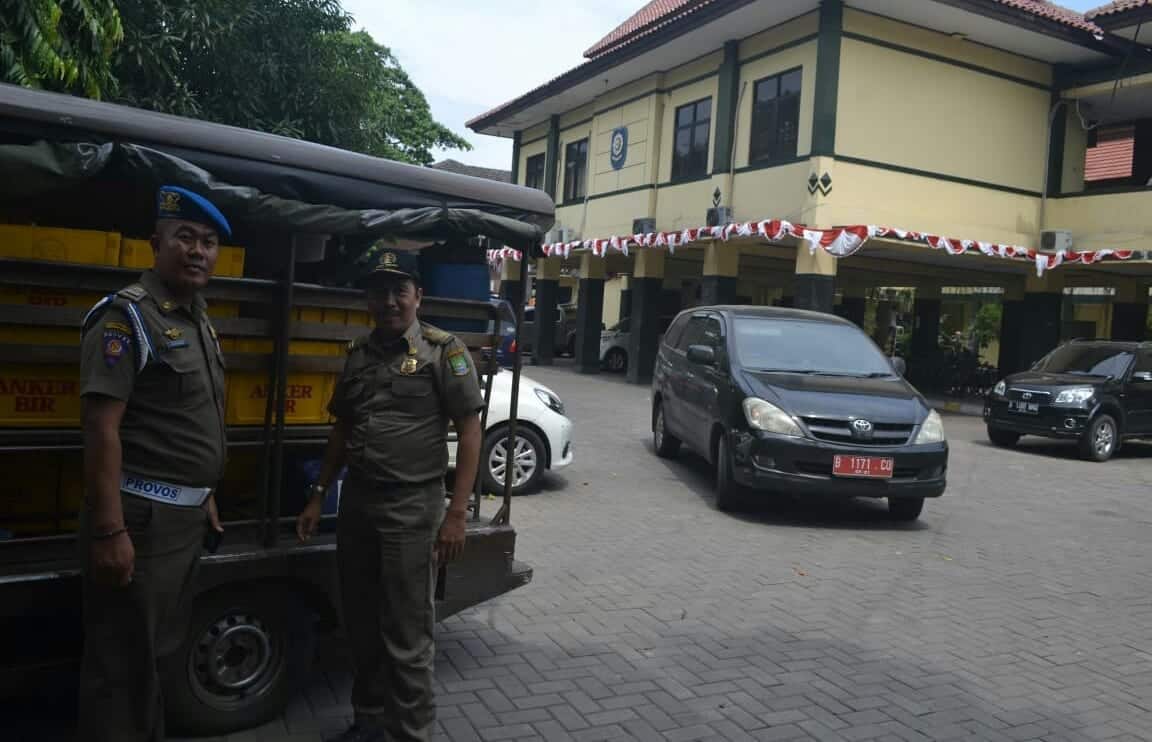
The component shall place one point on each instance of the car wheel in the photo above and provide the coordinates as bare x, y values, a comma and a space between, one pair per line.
729, 494
666, 444
1101, 440
1003, 438
246, 652
527, 461
905, 509
616, 361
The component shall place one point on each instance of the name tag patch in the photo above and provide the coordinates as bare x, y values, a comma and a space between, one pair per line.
152, 488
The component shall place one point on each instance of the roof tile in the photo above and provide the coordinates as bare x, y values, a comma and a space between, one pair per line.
1120, 6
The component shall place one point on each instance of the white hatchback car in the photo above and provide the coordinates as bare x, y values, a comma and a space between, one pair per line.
543, 436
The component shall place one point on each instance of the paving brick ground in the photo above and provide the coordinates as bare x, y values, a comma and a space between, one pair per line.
1018, 608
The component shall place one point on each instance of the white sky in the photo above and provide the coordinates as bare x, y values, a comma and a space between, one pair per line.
469, 56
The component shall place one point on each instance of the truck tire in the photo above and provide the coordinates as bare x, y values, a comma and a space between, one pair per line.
1101, 440
246, 652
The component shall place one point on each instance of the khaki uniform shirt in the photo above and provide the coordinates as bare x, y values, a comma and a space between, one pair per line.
173, 427
397, 398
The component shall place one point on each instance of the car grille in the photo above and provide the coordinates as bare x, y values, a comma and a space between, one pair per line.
1033, 396
839, 431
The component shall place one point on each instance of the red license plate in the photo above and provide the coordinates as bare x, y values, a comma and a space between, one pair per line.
870, 467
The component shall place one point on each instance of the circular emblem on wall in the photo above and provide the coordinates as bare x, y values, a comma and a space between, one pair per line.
618, 147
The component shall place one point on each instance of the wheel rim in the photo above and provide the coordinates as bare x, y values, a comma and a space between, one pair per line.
659, 427
615, 361
524, 461
235, 658
1104, 439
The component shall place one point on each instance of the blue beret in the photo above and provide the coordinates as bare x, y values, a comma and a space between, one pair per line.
396, 263
174, 202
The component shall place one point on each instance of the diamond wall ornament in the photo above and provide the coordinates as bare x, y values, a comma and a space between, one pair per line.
822, 183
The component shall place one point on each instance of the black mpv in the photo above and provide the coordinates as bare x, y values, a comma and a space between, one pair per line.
1096, 392
795, 402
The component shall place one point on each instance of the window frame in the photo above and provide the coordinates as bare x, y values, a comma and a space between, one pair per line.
575, 168
676, 174
542, 158
766, 157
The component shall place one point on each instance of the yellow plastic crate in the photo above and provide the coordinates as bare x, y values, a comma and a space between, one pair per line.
306, 403
59, 245
47, 298
39, 396
138, 254
223, 309
359, 318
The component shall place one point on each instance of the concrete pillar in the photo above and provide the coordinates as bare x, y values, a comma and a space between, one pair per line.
815, 280
1130, 312
926, 321
547, 295
1031, 327
589, 313
647, 284
853, 305
510, 288
721, 266
1011, 327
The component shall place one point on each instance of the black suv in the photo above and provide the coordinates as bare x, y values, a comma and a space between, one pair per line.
798, 402
1097, 392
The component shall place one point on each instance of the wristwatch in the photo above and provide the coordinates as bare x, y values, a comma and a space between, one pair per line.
317, 490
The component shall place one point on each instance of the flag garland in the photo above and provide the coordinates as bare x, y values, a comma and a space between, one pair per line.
840, 242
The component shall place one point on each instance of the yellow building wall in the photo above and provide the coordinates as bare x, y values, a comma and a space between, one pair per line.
772, 193
613, 215
868, 195
686, 205
535, 132
1075, 147
803, 56
612, 290
1116, 220
695, 68
806, 25
577, 116
919, 113
641, 117
943, 45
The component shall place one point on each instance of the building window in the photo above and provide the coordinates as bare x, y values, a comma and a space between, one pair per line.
775, 117
693, 124
575, 170
534, 172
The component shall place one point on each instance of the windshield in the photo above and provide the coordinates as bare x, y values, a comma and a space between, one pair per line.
1088, 360
798, 346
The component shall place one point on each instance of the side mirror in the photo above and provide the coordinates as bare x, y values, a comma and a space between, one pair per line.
1142, 377
900, 366
702, 354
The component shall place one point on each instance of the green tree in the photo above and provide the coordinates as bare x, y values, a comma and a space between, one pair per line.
61, 45
986, 326
291, 67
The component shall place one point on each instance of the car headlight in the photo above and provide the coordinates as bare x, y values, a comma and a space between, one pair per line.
1076, 396
550, 400
1000, 389
768, 417
931, 430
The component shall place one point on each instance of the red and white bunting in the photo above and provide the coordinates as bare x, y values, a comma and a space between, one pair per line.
840, 242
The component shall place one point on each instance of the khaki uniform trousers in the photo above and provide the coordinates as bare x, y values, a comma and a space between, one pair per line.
120, 696
385, 539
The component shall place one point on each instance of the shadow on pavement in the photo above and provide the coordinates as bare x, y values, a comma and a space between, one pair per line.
782, 509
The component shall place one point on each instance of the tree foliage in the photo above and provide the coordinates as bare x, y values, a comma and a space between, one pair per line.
61, 45
291, 67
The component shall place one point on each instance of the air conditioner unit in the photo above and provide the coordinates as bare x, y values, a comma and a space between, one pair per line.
718, 215
643, 225
1055, 241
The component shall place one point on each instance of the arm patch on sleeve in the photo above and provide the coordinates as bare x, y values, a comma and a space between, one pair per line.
116, 343
458, 362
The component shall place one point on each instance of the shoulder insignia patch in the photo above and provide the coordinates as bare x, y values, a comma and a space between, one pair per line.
118, 327
458, 362
116, 343
135, 292
435, 335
